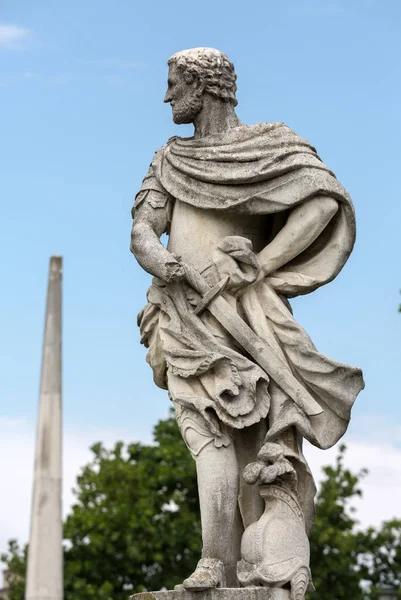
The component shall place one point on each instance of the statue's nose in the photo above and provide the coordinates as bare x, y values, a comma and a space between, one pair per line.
167, 97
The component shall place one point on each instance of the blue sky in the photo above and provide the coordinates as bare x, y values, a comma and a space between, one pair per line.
81, 88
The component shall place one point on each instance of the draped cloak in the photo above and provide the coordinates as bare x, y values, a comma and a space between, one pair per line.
263, 169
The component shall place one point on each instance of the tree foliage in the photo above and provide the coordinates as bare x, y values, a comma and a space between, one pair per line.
335, 546
135, 526
381, 560
15, 559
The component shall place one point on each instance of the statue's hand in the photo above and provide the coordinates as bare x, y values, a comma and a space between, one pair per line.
265, 270
235, 258
175, 271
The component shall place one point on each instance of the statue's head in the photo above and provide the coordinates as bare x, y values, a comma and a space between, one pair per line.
195, 72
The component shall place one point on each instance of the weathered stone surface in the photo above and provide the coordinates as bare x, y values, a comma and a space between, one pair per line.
254, 217
45, 557
251, 593
275, 549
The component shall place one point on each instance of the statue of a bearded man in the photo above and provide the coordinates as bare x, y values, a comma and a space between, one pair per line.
253, 218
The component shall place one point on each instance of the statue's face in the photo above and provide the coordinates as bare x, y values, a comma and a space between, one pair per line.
184, 97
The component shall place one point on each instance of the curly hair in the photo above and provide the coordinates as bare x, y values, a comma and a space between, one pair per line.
210, 66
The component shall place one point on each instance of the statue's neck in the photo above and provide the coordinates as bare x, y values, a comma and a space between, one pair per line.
215, 116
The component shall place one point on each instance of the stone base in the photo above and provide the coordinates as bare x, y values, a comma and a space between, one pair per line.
249, 593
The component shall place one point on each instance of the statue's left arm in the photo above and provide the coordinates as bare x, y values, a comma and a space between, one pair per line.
303, 226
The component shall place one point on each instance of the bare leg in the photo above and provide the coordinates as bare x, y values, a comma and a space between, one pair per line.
218, 486
218, 483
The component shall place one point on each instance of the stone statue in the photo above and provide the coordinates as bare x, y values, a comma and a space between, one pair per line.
253, 218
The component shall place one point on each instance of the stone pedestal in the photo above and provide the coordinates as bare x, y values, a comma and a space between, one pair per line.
249, 593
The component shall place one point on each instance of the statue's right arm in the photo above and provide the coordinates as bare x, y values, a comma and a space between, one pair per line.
149, 224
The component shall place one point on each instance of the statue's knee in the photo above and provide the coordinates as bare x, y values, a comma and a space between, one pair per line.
196, 432
195, 440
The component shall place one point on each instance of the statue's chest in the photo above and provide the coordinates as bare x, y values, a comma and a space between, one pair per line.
195, 232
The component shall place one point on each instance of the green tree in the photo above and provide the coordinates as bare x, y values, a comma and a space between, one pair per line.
381, 560
335, 546
15, 559
135, 526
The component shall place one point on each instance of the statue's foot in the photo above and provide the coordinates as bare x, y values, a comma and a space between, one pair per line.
208, 574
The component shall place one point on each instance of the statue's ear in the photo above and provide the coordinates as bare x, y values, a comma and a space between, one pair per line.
200, 86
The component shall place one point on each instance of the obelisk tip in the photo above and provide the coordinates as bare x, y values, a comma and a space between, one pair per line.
56, 263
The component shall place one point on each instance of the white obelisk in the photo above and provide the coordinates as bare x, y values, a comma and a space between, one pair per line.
45, 557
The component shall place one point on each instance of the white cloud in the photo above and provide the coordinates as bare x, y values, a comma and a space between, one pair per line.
17, 441
12, 35
382, 487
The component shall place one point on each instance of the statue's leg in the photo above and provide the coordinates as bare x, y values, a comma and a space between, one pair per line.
247, 443
222, 528
218, 486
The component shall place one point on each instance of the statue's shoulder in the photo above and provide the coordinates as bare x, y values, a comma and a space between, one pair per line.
264, 130
283, 135
152, 192
264, 126
274, 128
170, 141
160, 151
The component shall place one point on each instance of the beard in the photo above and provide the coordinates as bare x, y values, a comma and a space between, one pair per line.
186, 109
